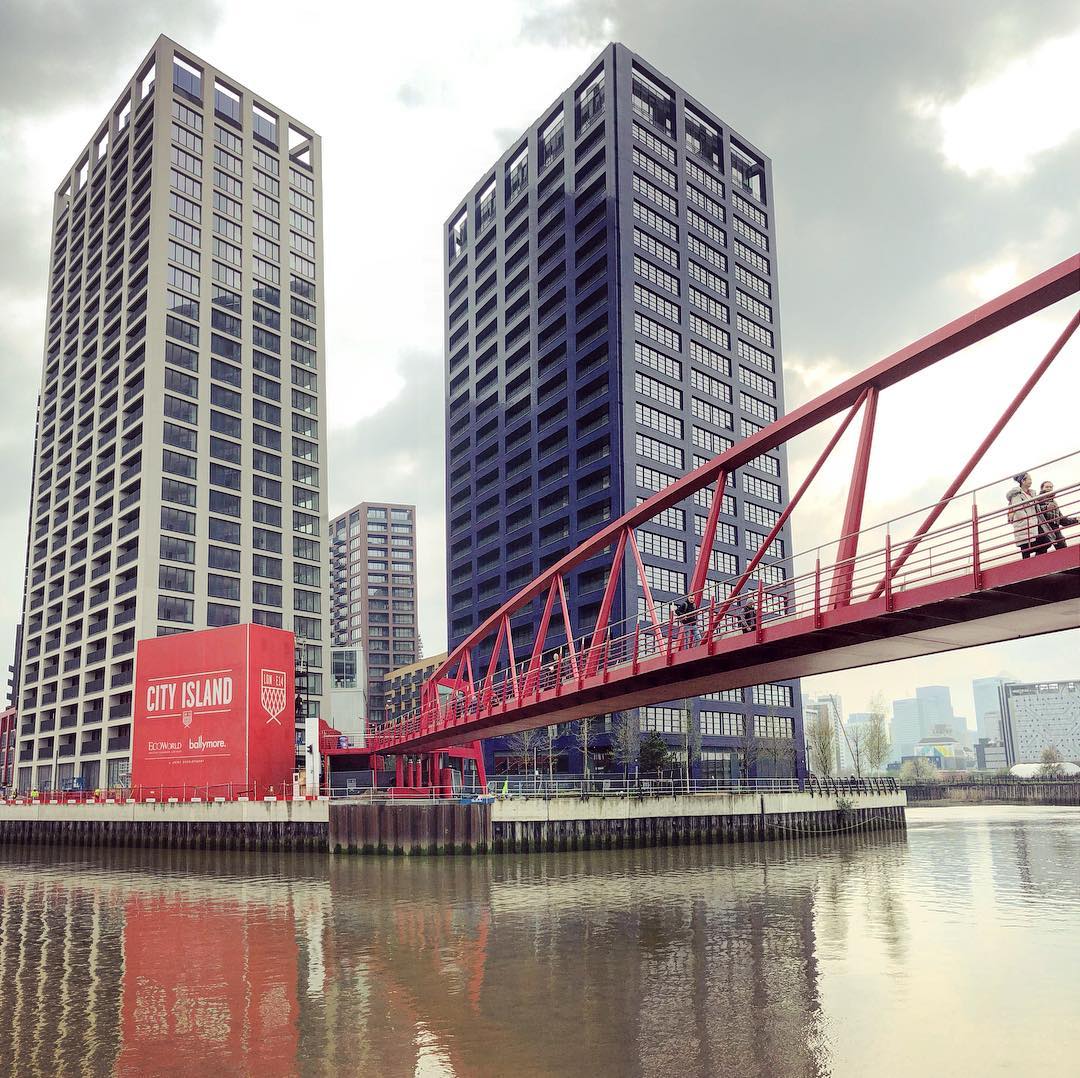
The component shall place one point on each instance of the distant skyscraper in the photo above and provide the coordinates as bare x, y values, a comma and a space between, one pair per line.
935, 702
611, 323
987, 693
907, 727
373, 558
179, 463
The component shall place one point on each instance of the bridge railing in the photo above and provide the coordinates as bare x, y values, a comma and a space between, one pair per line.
963, 548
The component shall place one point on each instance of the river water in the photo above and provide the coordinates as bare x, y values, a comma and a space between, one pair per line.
951, 949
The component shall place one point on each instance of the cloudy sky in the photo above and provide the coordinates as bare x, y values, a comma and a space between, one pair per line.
926, 157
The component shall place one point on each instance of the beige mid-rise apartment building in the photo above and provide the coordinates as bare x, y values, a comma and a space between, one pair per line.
373, 559
180, 464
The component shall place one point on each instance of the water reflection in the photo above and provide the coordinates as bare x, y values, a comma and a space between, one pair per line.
814, 957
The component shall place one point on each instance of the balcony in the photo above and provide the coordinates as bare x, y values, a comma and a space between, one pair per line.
119, 744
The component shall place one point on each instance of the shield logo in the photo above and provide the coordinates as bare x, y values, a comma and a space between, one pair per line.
272, 694
187, 717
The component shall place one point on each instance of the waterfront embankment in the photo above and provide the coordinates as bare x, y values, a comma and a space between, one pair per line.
520, 824
1051, 792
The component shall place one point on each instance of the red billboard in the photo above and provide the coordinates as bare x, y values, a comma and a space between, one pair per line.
214, 708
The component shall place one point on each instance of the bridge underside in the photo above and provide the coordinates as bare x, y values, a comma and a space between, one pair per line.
1017, 600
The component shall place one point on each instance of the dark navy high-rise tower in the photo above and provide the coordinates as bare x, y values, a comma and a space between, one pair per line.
611, 322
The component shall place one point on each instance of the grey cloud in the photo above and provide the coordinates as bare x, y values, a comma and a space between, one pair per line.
397, 455
868, 220
55, 53
410, 95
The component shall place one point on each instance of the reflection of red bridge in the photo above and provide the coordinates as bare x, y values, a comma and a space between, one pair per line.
951, 579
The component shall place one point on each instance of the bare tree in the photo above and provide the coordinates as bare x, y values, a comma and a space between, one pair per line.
821, 743
522, 744
584, 734
780, 753
878, 746
857, 736
747, 747
626, 739
548, 734
1051, 763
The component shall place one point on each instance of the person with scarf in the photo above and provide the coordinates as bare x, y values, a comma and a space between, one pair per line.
1026, 519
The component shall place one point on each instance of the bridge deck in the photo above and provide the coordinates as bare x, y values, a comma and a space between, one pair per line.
1016, 599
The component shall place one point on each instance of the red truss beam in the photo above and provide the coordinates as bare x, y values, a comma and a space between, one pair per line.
782, 520
697, 583
1034, 295
571, 650
849, 535
610, 589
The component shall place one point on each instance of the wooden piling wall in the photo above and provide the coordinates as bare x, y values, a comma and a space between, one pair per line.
443, 827
288, 826
1046, 792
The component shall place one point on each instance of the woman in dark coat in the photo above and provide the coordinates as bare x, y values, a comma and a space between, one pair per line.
1052, 518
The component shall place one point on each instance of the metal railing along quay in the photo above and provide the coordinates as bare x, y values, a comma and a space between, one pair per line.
516, 787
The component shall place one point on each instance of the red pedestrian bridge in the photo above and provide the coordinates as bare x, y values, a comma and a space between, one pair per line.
948, 577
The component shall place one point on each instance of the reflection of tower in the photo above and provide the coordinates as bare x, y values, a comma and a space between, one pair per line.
60, 955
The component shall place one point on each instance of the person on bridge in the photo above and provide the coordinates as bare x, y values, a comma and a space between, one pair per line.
553, 670
748, 614
686, 615
1026, 519
1052, 518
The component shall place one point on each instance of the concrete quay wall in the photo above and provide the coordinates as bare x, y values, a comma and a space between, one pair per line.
532, 824
230, 825
519, 825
